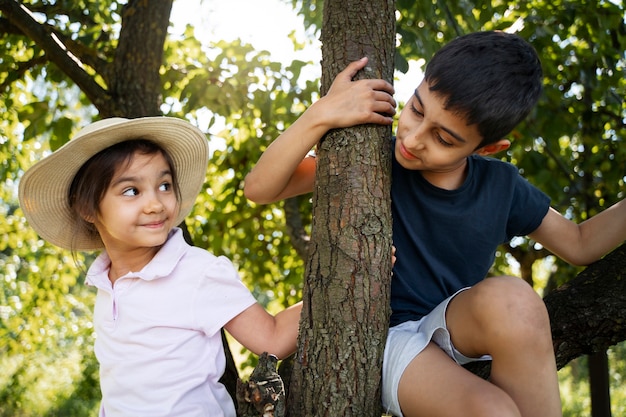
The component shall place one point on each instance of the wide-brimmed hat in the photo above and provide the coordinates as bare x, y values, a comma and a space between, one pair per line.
44, 188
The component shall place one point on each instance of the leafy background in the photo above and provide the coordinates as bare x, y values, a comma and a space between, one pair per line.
571, 147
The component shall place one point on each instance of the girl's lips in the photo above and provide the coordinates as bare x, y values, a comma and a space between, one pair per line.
155, 225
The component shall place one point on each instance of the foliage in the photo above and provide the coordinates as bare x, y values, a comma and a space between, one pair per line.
243, 100
45, 309
573, 381
46, 355
250, 98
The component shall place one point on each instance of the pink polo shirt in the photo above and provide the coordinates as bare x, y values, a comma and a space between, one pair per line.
158, 336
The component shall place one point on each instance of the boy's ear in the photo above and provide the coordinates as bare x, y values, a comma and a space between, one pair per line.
501, 145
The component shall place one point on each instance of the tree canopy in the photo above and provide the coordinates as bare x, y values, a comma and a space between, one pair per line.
64, 63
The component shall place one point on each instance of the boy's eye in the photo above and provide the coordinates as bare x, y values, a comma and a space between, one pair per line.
439, 138
442, 140
416, 111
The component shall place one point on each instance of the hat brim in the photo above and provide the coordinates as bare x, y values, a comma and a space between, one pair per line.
44, 188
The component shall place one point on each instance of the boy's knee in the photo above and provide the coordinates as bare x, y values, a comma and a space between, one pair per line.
514, 306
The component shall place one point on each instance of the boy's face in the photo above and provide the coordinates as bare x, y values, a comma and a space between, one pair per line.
432, 139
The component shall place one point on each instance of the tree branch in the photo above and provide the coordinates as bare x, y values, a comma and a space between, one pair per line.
295, 229
20, 17
20, 70
588, 313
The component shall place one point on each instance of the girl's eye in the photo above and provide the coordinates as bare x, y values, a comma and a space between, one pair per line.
166, 186
132, 191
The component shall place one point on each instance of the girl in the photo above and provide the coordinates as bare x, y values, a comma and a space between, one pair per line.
122, 186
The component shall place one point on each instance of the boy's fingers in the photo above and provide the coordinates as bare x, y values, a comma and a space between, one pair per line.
354, 67
386, 97
382, 85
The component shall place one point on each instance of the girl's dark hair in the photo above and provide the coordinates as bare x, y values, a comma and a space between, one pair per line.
93, 178
491, 79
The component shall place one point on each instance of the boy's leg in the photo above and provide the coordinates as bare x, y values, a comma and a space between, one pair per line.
503, 317
434, 385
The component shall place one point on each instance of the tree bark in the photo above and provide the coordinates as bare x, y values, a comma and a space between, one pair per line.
136, 84
588, 313
344, 323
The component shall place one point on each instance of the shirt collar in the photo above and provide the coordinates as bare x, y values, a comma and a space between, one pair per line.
160, 266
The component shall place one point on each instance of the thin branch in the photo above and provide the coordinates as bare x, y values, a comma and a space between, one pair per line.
21, 69
295, 228
20, 17
87, 56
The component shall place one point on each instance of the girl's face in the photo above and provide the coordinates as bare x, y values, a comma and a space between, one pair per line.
140, 206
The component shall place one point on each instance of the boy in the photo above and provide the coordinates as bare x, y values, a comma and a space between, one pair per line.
451, 208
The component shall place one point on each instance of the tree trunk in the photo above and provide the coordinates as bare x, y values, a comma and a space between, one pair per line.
599, 386
344, 323
136, 82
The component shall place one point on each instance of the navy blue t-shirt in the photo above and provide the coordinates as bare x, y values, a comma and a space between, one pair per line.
446, 240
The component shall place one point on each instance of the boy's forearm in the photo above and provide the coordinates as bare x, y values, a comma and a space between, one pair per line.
346, 104
604, 231
584, 243
272, 174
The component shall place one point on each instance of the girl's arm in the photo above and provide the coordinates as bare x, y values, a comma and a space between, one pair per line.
259, 331
283, 171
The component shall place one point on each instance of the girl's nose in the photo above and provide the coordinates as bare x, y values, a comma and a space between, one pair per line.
154, 204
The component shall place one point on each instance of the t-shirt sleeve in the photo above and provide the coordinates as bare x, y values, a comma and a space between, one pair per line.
529, 206
220, 296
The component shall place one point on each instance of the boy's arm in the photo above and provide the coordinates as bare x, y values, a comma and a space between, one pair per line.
584, 243
283, 171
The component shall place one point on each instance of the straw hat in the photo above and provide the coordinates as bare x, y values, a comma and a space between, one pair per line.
44, 188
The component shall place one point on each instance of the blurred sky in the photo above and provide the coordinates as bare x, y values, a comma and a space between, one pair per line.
266, 24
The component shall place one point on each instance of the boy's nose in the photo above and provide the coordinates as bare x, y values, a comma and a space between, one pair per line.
416, 139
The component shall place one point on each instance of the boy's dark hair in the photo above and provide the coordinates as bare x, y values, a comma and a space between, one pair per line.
491, 79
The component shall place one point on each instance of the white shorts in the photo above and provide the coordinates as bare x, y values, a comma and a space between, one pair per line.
405, 341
